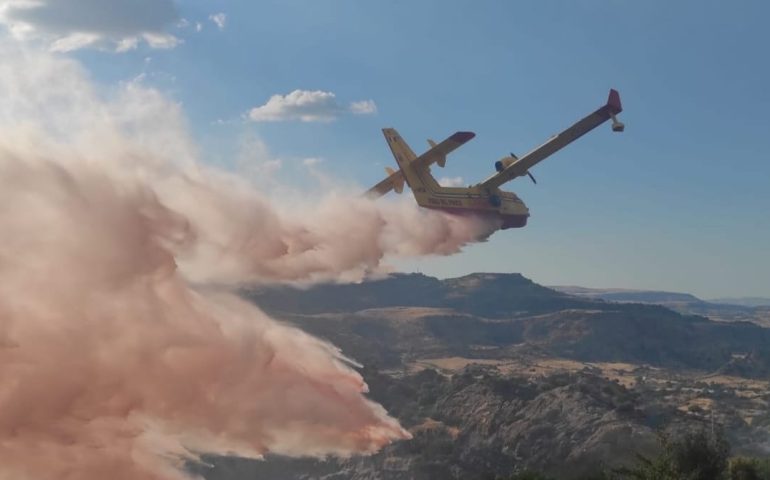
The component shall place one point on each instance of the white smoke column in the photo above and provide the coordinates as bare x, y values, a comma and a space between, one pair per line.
113, 364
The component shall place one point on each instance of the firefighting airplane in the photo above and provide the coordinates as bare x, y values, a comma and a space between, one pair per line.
485, 198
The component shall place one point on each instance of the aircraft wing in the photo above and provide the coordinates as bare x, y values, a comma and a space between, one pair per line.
438, 153
557, 142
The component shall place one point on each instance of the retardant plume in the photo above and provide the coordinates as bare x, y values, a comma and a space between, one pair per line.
121, 353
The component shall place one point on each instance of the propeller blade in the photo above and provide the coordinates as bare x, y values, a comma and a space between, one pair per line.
532, 178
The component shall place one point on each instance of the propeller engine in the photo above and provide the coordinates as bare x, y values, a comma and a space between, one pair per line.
505, 162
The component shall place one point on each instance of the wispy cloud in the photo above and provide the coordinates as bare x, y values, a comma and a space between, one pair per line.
117, 25
451, 181
364, 107
307, 106
219, 19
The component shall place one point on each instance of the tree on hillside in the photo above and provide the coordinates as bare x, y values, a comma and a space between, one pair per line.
696, 455
744, 468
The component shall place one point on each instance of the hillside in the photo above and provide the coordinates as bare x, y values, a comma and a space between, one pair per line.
480, 294
397, 320
493, 374
477, 424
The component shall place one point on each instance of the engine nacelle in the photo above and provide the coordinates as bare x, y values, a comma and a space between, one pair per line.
504, 163
617, 125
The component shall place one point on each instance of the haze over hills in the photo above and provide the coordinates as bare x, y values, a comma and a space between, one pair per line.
752, 309
744, 301
493, 373
629, 295
656, 296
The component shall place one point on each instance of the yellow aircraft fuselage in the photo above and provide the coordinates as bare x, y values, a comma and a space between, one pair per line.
477, 200
506, 207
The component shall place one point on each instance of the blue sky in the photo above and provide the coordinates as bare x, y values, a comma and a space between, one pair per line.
680, 201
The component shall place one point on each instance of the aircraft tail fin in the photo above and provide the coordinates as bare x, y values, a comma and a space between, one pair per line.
613, 102
401, 151
416, 174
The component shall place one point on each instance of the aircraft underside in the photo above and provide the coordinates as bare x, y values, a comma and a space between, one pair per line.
505, 221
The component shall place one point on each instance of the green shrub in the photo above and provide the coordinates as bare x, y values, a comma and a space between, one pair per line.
695, 455
745, 468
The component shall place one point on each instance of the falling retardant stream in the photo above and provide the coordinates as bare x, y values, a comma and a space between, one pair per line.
123, 352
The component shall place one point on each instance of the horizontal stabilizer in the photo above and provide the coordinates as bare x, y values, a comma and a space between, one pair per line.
438, 152
394, 181
409, 163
